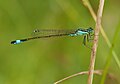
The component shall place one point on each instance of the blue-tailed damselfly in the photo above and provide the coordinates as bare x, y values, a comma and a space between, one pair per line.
87, 33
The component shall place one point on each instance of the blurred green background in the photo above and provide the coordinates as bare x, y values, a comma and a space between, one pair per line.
45, 61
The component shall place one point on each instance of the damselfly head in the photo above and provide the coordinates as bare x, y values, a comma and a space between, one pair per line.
90, 30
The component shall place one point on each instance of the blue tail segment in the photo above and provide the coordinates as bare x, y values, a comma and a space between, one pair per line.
18, 41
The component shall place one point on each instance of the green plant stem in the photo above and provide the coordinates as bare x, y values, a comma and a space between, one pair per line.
109, 57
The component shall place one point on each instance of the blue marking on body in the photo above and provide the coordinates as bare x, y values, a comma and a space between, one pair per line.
79, 33
18, 41
72, 34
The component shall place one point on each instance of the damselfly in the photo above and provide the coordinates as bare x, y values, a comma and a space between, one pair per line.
87, 33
